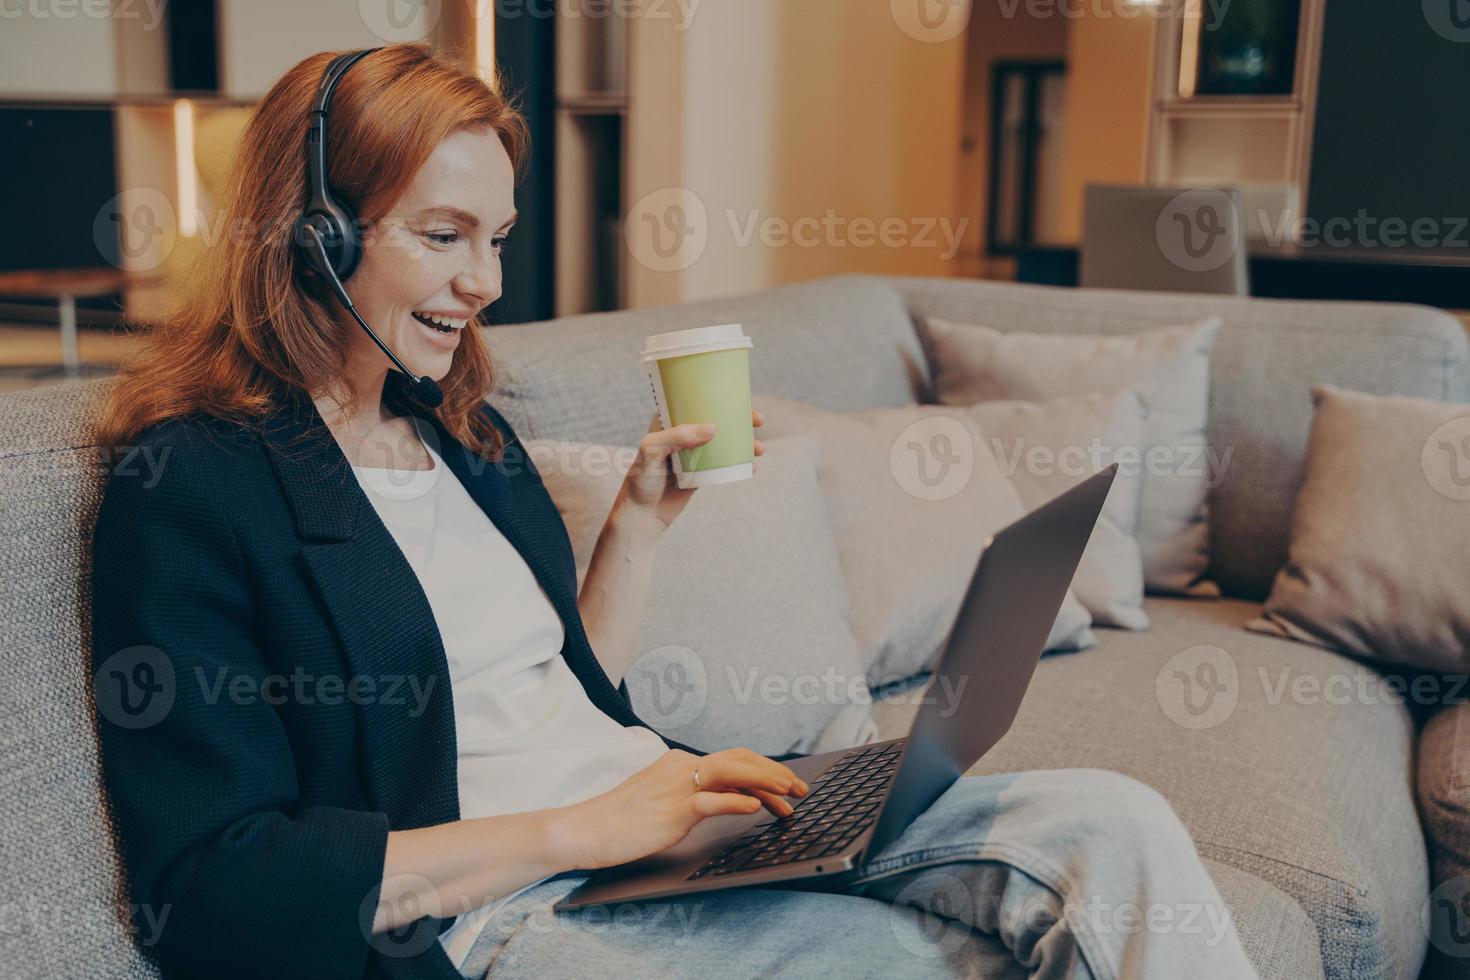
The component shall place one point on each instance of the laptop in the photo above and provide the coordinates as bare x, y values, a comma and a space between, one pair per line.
863, 797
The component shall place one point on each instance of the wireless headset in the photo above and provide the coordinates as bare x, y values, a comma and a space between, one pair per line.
327, 232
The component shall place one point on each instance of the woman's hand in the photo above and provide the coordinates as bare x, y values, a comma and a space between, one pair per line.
651, 495
658, 806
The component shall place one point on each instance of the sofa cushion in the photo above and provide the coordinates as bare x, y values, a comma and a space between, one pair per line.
745, 637
1278, 935
913, 493
1109, 579
841, 344
1380, 549
1264, 363
1295, 769
62, 887
1170, 366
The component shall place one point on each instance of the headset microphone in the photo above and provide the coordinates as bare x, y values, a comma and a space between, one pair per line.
327, 232
426, 390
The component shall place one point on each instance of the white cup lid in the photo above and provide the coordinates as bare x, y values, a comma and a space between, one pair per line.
697, 340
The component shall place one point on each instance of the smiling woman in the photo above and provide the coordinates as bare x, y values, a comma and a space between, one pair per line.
426, 154
305, 495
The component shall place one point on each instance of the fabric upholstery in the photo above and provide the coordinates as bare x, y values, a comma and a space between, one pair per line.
1379, 565
1264, 363
745, 637
1170, 367
63, 888
841, 344
909, 548
1282, 776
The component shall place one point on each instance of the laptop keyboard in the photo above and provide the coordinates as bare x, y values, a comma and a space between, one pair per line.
843, 802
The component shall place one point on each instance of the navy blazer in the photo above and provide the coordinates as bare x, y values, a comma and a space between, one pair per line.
273, 696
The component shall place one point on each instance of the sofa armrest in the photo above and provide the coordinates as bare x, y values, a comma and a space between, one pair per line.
1443, 789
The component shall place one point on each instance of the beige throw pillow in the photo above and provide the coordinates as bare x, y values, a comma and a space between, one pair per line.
746, 639
1379, 564
1171, 369
1046, 448
913, 494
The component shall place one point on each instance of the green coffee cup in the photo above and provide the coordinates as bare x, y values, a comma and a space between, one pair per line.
703, 375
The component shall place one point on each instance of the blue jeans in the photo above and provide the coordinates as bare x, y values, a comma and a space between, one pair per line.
1075, 873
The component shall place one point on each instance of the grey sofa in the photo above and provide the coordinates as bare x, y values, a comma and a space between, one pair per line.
1305, 812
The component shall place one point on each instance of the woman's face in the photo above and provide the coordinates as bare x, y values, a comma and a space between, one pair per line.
433, 262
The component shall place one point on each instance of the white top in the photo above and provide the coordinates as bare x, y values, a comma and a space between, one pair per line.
528, 736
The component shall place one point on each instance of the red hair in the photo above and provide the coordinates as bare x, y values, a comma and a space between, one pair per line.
245, 331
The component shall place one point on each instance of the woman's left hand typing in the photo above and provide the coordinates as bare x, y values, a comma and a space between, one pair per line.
651, 495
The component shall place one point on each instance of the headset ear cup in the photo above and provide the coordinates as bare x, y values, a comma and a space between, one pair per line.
338, 235
349, 245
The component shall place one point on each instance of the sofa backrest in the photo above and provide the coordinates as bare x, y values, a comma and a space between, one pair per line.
62, 895
1268, 355
842, 344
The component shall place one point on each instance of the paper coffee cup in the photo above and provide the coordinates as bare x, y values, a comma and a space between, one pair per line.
703, 375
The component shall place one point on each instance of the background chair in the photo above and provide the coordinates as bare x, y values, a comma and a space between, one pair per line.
1189, 240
